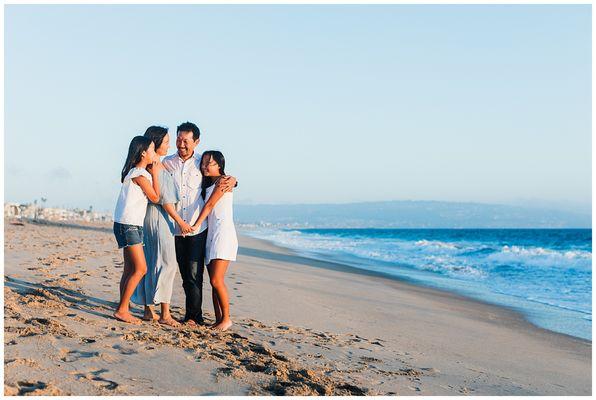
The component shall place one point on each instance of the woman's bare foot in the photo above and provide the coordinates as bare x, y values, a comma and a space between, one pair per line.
149, 315
169, 321
126, 317
223, 325
191, 322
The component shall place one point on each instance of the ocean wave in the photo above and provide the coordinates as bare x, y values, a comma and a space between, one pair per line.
479, 251
436, 243
473, 258
539, 251
447, 267
541, 257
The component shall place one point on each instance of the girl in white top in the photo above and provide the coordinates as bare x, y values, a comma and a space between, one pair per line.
138, 186
222, 243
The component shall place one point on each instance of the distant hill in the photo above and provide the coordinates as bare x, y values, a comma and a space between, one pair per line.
409, 214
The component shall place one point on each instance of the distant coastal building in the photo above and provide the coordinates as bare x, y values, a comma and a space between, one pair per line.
33, 211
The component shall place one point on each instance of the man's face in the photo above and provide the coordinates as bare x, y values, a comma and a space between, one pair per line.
185, 144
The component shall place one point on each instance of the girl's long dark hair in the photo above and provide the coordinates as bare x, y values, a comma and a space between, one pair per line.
219, 158
138, 145
156, 134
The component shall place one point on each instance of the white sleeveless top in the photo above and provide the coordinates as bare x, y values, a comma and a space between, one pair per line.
222, 242
132, 202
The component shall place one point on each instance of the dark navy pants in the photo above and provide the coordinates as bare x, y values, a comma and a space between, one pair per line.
190, 254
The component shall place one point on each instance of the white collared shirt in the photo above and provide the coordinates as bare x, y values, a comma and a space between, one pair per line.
187, 177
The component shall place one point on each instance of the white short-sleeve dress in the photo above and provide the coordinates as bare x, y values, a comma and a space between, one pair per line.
222, 242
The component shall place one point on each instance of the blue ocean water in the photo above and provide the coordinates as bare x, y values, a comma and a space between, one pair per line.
546, 274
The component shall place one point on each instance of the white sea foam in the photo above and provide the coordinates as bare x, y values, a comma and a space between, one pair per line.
436, 243
541, 257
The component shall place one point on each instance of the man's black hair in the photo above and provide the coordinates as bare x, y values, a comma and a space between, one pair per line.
189, 127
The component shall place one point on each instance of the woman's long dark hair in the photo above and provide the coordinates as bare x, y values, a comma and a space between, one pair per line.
138, 145
219, 158
156, 134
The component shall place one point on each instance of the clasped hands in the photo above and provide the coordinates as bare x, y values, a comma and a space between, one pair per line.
225, 184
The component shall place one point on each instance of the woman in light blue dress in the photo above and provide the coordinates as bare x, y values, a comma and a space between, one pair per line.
160, 251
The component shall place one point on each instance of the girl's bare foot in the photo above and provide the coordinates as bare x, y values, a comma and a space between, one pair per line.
223, 325
126, 317
191, 322
169, 321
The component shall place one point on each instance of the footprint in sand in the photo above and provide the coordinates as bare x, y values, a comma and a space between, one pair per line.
21, 361
95, 376
366, 359
124, 350
75, 355
37, 389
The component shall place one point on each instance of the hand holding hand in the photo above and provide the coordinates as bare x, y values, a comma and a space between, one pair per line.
185, 228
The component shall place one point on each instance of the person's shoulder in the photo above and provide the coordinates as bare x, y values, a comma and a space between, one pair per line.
135, 172
169, 158
170, 161
197, 158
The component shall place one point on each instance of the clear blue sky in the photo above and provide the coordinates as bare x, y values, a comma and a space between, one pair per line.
308, 103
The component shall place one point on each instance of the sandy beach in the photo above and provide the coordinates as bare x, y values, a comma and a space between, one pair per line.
302, 327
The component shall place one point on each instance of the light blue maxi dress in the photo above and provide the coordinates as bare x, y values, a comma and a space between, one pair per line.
160, 249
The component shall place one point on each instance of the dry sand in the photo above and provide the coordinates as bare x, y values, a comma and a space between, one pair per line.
302, 327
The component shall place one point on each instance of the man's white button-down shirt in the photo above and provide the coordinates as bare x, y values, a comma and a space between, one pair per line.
187, 176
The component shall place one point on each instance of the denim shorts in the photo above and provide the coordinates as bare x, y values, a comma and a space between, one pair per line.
128, 235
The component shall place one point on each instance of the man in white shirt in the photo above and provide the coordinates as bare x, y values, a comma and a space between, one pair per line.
185, 168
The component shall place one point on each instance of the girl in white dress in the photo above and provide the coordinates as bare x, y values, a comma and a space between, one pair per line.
222, 243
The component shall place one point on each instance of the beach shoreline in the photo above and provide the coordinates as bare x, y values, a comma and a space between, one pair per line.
514, 315
302, 326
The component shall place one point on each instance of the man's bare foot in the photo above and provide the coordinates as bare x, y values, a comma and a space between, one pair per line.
223, 325
126, 317
169, 321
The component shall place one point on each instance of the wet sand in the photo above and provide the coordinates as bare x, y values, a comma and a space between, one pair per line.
302, 327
